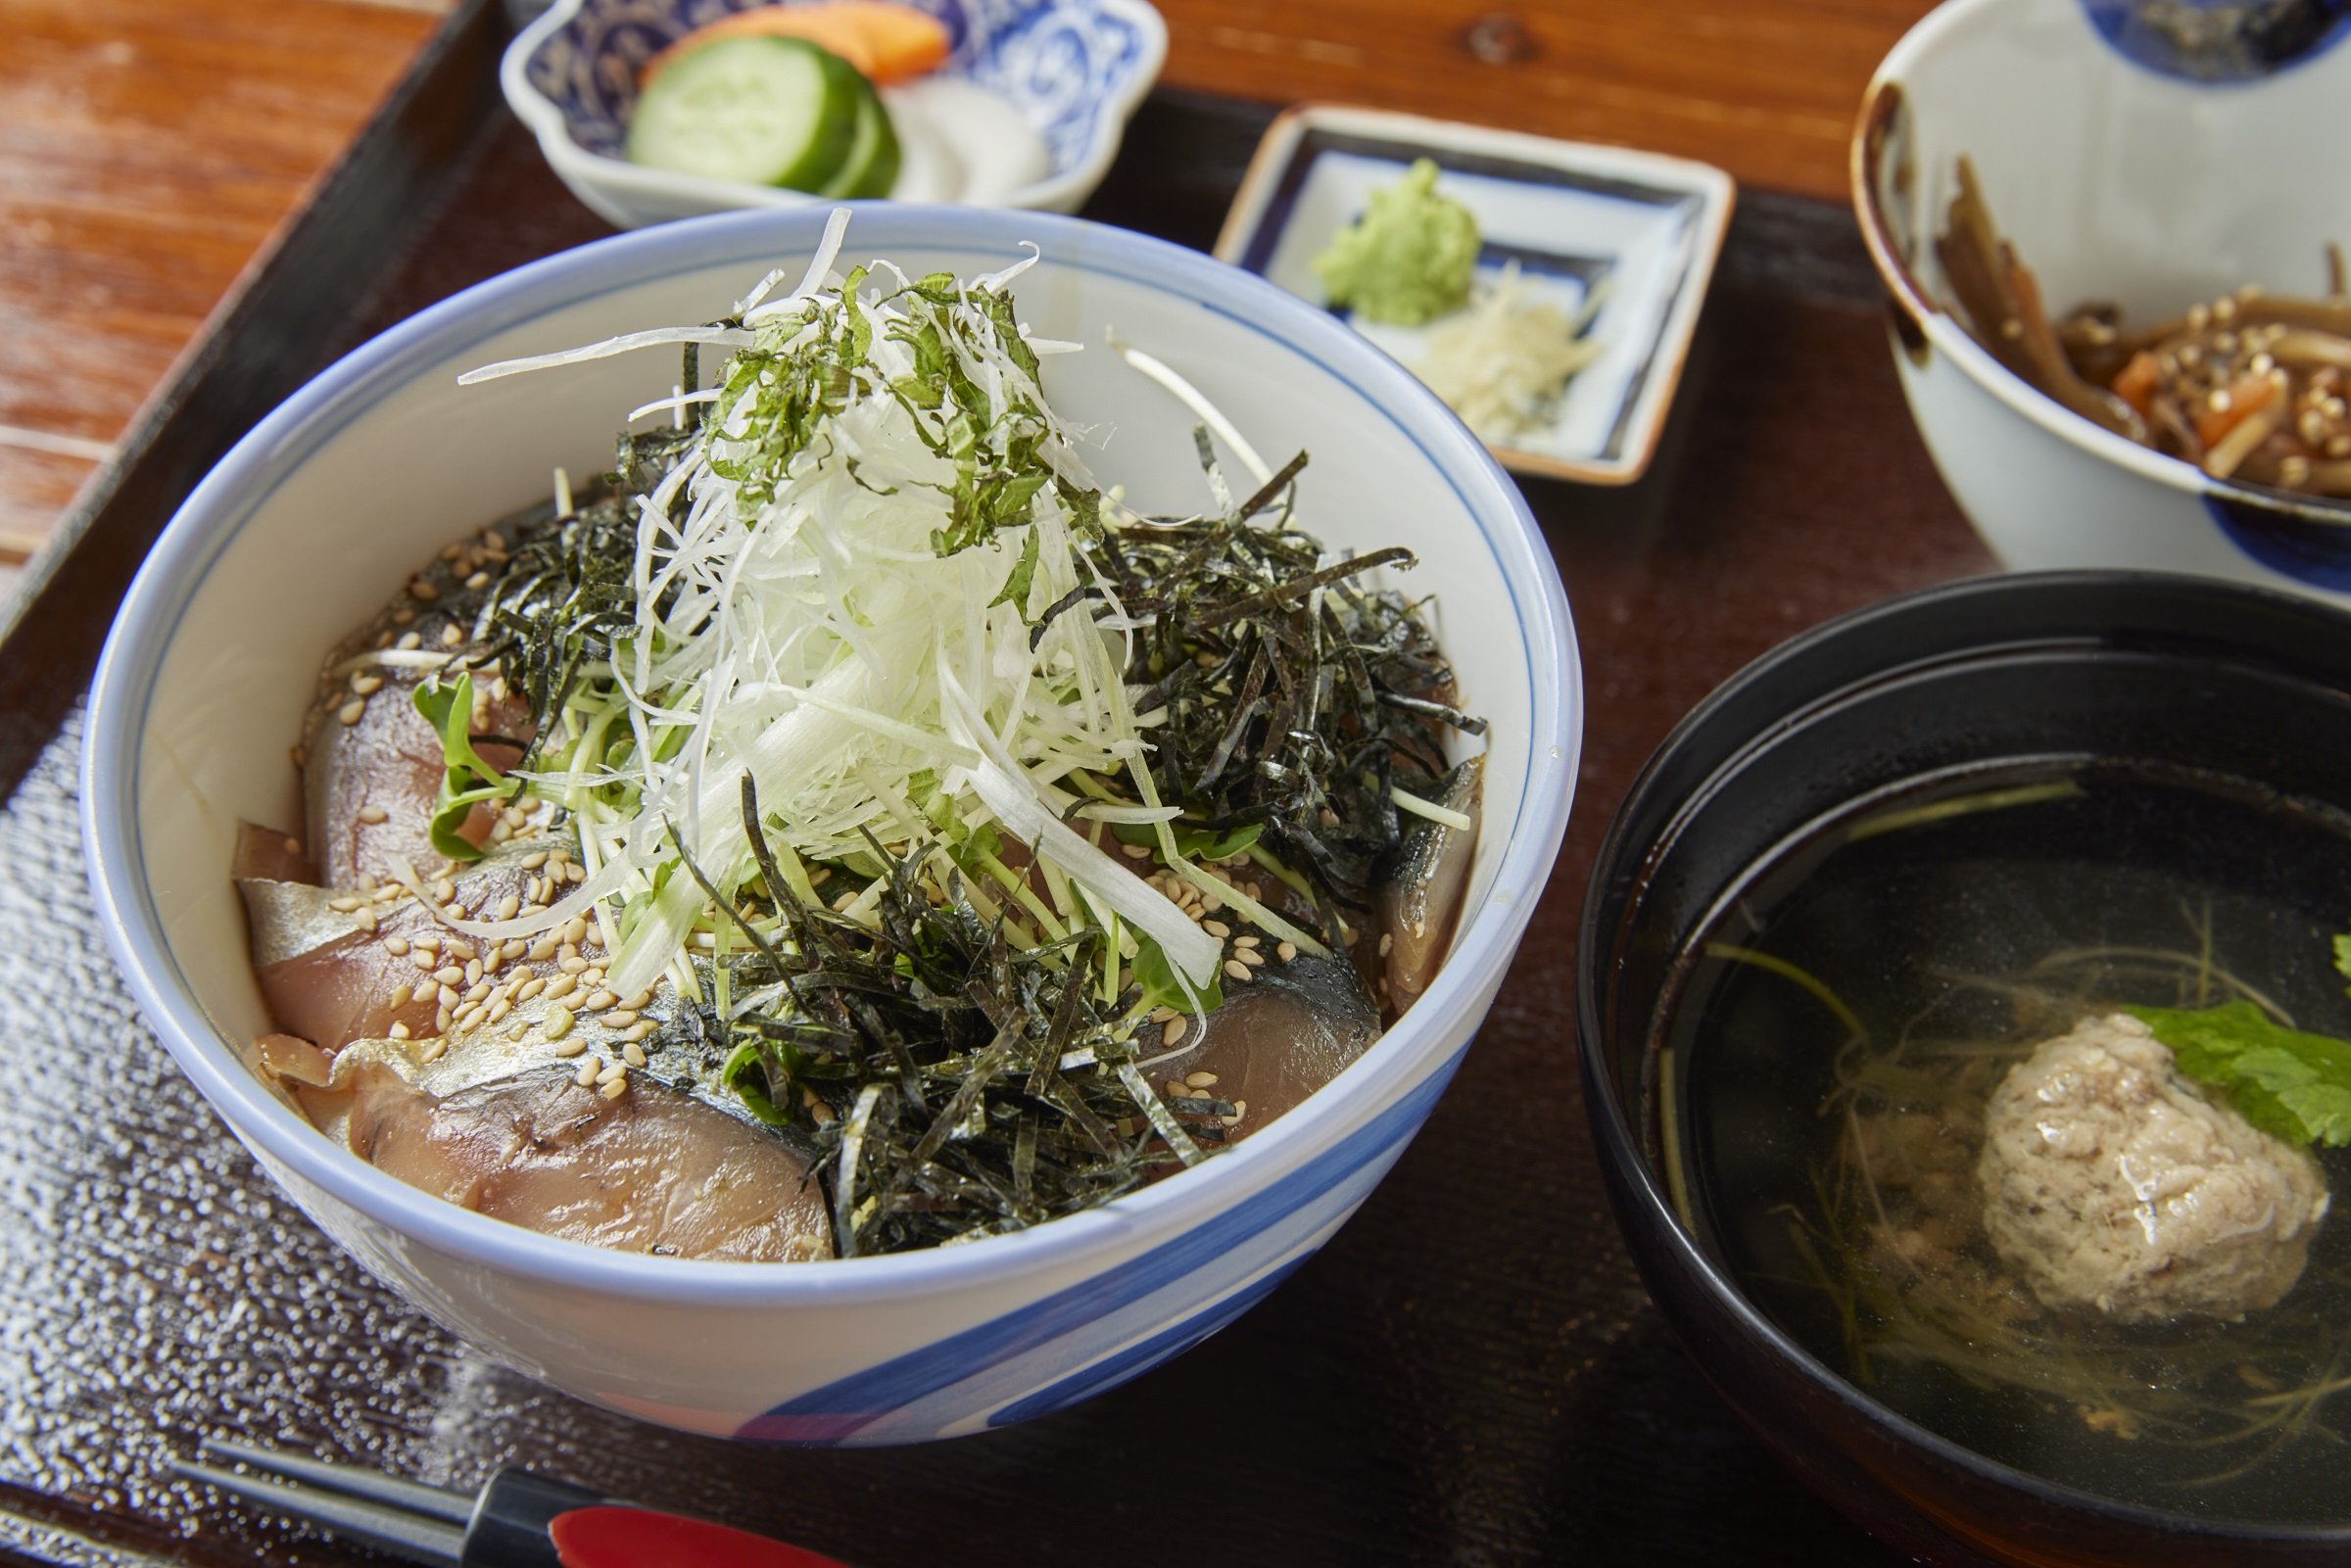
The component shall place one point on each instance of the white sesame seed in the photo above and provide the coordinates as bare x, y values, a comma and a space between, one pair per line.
613, 1088
398, 1031
534, 861
351, 712
636, 1003
574, 964
499, 1009
1135, 851
343, 906
509, 907
599, 1001
478, 990
371, 815
587, 1073
1216, 929
410, 642
559, 1023
640, 1029
449, 997
473, 970
424, 591
443, 890
530, 988
441, 1016
571, 1047
402, 996
397, 946
459, 949
1234, 968
467, 1017
561, 985
1387, 941
1251, 957
633, 1054
612, 1073
1171, 1031
450, 974
1287, 951
544, 949
1244, 941
577, 931
478, 581
1200, 1080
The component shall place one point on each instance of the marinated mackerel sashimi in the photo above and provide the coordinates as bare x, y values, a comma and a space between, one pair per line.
851, 829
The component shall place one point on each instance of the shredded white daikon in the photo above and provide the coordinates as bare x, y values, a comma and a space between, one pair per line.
809, 616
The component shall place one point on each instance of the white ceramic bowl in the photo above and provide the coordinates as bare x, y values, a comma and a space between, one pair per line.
2115, 177
370, 468
1075, 69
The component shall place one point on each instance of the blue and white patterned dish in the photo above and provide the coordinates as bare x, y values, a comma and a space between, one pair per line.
1572, 217
299, 531
1075, 69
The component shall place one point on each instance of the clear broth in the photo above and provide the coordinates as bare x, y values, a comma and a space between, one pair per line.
1961, 921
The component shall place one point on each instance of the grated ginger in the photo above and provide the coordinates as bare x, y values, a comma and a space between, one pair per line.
1503, 361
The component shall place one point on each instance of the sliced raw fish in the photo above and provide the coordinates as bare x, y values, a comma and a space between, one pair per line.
650, 1170
1279, 1037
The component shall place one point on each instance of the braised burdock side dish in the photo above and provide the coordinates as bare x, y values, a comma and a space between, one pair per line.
847, 827
2249, 386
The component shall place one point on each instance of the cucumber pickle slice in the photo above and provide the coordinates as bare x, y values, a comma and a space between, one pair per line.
871, 167
762, 110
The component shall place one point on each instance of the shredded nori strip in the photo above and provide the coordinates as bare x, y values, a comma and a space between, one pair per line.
951, 1041
1295, 696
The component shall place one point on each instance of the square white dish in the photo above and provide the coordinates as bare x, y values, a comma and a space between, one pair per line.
1571, 214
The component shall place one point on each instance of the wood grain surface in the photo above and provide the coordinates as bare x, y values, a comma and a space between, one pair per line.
151, 148
1469, 1374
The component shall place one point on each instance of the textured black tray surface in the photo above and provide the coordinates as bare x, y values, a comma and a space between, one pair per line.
1469, 1374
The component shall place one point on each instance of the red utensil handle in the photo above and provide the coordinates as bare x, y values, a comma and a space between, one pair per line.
617, 1536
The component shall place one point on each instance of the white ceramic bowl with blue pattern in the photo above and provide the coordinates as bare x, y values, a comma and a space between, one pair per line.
1074, 69
2126, 162
299, 532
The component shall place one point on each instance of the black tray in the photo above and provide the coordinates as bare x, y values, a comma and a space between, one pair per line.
1470, 1373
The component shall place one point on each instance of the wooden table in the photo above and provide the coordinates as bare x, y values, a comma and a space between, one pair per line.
150, 149
1469, 1374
